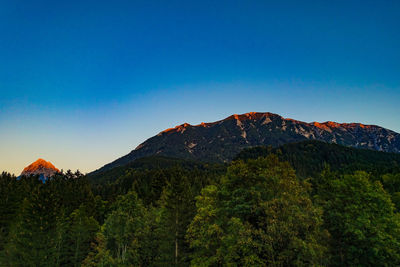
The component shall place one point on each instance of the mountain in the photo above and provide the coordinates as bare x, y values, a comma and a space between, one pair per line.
222, 140
44, 169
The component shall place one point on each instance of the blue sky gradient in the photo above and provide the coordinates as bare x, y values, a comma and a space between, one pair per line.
84, 82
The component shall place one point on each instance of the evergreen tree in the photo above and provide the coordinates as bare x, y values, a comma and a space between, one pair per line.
9, 202
31, 241
82, 231
61, 237
177, 210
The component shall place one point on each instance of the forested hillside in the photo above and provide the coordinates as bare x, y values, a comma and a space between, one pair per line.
303, 204
310, 157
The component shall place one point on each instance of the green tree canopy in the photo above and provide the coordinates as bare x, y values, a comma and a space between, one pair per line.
260, 215
360, 217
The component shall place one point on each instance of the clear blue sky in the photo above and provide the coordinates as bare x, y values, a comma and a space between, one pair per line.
84, 82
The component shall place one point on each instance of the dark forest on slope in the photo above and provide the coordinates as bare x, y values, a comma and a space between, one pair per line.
301, 204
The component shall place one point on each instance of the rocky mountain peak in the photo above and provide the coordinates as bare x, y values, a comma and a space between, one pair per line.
40, 167
222, 140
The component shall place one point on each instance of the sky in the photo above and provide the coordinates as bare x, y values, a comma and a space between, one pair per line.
82, 83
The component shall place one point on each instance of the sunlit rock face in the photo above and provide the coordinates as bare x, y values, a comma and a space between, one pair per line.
44, 169
222, 140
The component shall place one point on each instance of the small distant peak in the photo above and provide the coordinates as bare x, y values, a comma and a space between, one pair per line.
40, 166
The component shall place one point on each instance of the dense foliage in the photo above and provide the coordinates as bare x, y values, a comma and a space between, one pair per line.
305, 204
260, 214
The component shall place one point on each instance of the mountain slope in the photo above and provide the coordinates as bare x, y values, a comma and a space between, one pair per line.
222, 140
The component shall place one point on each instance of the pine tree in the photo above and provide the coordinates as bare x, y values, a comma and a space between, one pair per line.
177, 210
31, 241
61, 237
9, 202
82, 232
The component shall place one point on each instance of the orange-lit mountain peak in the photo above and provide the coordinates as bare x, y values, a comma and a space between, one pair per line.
327, 125
168, 130
354, 125
40, 161
321, 125
178, 128
365, 126
333, 124
250, 114
40, 166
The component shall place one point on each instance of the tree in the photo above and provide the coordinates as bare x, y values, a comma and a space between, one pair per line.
206, 230
260, 214
31, 240
360, 217
119, 242
9, 202
391, 183
177, 208
82, 231
61, 237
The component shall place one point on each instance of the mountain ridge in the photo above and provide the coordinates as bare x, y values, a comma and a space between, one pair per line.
221, 140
